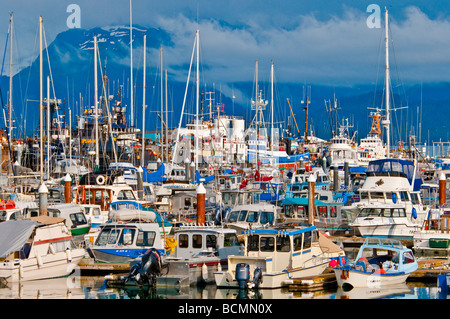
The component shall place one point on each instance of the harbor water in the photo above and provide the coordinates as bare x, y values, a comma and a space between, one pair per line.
93, 287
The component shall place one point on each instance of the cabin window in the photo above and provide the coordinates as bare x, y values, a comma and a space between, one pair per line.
78, 219
266, 218
396, 212
211, 241
253, 243
283, 243
408, 257
333, 212
242, 215
16, 215
364, 195
226, 198
373, 212
322, 210
127, 236
183, 241
145, 238
252, 217
233, 216
377, 195
301, 211
404, 196
108, 236
288, 211
230, 240
197, 241
307, 240
267, 244
125, 194
98, 196
297, 242
96, 211
415, 199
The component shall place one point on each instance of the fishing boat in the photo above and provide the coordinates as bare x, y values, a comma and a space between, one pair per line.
95, 216
328, 216
433, 238
390, 183
130, 233
372, 147
380, 263
37, 248
74, 217
201, 251
274, 256
252, 216
385, 220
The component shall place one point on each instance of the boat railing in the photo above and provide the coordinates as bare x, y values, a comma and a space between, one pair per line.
379, 241
194, 225
442, 224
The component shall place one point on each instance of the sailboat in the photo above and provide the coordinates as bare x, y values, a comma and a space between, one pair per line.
390, 204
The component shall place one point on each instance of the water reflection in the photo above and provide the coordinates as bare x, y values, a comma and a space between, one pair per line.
90, 287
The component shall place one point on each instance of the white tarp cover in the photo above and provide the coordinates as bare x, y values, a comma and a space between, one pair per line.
14, 234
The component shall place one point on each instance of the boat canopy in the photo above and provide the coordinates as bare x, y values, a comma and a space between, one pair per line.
154, 177
279, 231
304, 201
395, 167
14, 234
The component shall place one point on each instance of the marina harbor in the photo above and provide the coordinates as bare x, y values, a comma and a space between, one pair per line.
167, 189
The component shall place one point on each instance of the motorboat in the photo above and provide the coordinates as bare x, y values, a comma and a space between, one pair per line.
252, 216
433, 238
385, 220
389, 182
201, 251
274, 256
328, 216
380, 263
74, 217
130, 233
37, 248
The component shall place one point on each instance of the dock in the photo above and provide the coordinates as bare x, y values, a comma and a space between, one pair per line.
89, 266
428, 271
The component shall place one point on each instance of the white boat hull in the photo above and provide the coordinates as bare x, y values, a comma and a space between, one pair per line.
360, 279
387, 230
50, 266
225, 279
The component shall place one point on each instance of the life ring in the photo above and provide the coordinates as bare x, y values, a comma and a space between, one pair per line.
100, 179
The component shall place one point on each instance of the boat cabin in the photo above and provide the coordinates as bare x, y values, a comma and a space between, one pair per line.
74, 216
120, 242
103, 195
195, 240
244, 217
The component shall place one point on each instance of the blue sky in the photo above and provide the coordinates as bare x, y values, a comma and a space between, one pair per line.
325, 42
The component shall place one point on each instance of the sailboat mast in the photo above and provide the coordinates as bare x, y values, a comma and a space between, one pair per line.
143, 104
41, 126
387, 121
167, 121
97, 159
131, 67
48, 126
162, 102
271, 104
10, 79
197, 101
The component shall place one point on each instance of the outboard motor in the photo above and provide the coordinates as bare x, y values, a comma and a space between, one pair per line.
242, 275
147, 269
257, 277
